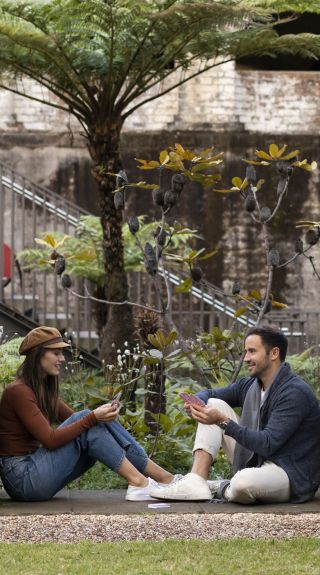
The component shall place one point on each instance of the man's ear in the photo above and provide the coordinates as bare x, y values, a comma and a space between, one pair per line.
275, 353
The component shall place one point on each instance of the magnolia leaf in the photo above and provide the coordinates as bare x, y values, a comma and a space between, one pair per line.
207, 151
254, 163
263, 155
208, 255
147, 165
291, 155
152, 339
144, 185
50, 240
259, 184
164, 157
171, 337
256, 294
237, 182
184, 287
148, 360
240, 311
161, 339
41, 242
179, 149
274, 151
278, 305
282, 150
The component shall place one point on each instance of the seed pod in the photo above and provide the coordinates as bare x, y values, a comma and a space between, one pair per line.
265, 213
251, 174
121, 179
66, 281
250, 203
59, 265
158, 197
273, 258
170, 199
133, 224
118, 199
284, 169
150, 259
236, 288
54, 255
161, 237
312, 236
196, 273
298, 246
177, 183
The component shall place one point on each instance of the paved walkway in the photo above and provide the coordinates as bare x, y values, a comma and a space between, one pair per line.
113, 503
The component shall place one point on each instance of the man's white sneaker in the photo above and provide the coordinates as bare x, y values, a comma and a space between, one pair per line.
142, 493
191, 487
176, 478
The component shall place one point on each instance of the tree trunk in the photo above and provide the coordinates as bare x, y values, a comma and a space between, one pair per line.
115, 322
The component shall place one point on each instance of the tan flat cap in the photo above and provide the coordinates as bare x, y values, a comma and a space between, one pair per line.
48, 337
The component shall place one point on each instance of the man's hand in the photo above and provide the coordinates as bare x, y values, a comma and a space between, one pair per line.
107, 412
205, 414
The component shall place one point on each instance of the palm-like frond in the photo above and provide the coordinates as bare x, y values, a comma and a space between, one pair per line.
98, 57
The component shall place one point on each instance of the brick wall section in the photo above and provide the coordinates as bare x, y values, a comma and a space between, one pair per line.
222, 98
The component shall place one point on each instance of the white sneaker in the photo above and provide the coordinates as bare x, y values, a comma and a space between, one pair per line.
142, 493
191, 487
176, 478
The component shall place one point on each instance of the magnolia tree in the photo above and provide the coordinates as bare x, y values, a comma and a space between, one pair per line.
161, 251
101, 60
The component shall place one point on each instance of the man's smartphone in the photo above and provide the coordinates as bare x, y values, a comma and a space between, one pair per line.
191, 399
116, 399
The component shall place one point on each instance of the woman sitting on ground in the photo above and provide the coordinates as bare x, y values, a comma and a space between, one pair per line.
37, 460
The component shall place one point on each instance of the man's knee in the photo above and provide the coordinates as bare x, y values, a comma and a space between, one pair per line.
242, 488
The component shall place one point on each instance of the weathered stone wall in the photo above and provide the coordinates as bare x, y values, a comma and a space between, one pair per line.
232, 109
222, 98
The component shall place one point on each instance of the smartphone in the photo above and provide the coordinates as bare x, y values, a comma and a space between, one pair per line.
191, 399
116, 399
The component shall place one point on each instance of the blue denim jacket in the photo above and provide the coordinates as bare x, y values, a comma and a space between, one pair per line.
289, 433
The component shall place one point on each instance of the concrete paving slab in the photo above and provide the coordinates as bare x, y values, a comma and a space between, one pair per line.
114, 503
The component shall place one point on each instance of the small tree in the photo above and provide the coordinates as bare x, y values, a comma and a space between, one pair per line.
101, 60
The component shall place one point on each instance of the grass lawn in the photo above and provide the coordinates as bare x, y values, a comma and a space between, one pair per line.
238, 557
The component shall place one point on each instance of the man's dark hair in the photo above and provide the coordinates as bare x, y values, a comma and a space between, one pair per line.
271, 337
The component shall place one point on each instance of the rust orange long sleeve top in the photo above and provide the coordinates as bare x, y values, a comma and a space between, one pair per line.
23, 427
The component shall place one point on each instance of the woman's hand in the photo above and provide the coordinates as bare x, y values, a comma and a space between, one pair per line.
107, 412
205, 414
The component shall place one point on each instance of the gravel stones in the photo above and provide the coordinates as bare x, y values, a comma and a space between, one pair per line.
156, 527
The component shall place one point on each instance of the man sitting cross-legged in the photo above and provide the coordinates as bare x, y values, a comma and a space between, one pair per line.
274, 446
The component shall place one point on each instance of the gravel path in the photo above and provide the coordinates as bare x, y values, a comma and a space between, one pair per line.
97, 528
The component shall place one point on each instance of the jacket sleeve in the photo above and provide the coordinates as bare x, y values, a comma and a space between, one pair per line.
286, 417
64, 411
26, 408
232, 394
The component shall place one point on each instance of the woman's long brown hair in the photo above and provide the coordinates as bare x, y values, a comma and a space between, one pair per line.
45, 388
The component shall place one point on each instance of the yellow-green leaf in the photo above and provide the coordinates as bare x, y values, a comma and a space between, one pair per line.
254, 163
263, 155
255, 293
164, 157
240, 311
152, 339
50, 240
274, 151
278, 305
184, 287
208, 255
237, 182
291, 155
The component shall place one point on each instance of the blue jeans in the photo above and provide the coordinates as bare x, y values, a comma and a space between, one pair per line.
39, 475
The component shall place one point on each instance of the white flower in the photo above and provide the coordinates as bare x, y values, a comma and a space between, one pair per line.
126, 344
118, 350
127, 352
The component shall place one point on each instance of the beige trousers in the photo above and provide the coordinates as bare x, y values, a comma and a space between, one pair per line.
268, 483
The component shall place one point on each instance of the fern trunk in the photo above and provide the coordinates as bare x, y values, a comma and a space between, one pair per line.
115, 322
